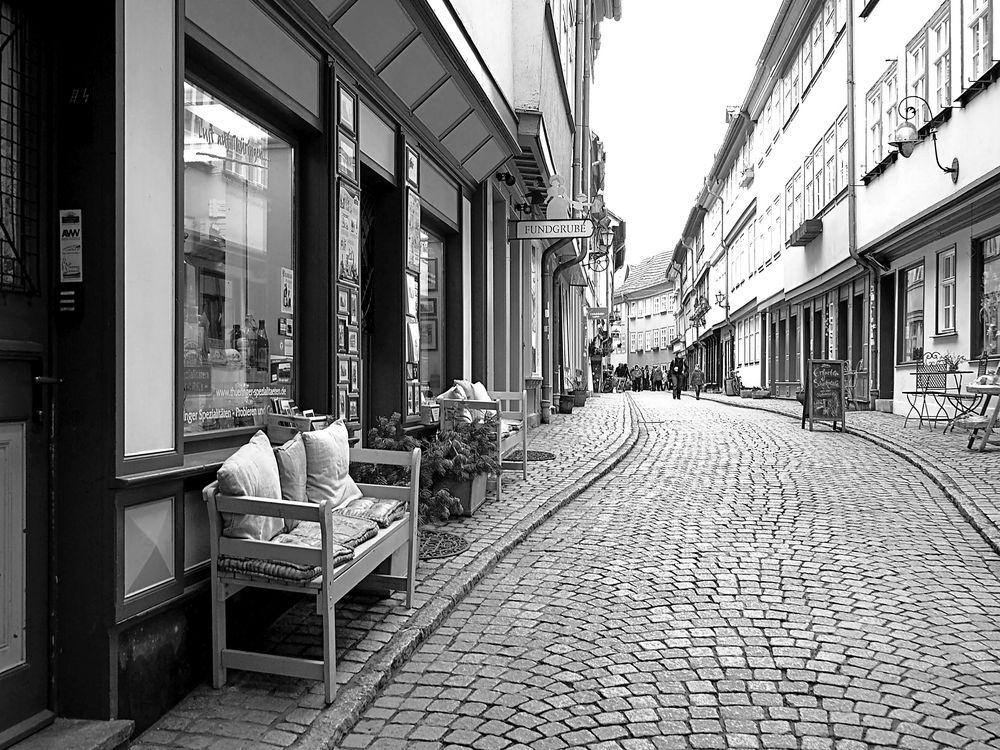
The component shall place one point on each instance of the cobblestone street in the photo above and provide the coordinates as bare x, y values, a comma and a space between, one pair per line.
735, 583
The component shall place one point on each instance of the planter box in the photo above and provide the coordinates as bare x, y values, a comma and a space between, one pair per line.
579, 398
472, 492
760, 394
566, 402
730, 386
745, 393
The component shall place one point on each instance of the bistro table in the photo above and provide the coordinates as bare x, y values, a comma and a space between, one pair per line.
982, 424
933, 382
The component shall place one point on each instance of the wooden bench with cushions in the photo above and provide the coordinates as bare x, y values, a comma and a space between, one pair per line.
470, 402
316, 533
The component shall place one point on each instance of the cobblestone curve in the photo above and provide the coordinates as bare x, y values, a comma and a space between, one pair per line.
737, 584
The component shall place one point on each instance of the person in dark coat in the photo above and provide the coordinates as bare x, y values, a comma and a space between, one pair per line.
677, 373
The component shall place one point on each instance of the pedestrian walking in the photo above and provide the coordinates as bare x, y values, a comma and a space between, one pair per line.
677, 371
647, 382
657, 377
636, 378
697, 381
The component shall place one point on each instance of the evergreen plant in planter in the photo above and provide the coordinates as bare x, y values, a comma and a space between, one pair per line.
579, 391
453, 465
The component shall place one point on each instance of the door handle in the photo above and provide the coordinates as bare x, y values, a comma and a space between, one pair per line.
36, 396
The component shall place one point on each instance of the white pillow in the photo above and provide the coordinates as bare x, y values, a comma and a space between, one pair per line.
466, 388
328, 458
479, 392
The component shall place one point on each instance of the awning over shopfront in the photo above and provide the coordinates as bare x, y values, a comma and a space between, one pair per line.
462, 108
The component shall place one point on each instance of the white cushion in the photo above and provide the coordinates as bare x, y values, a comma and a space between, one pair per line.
479, 392
251, 471
328, 459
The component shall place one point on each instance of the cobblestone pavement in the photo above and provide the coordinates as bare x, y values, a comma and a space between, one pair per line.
969, 477
260, 711
736, 583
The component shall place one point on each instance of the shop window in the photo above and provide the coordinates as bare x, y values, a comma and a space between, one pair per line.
946, 291
238, 284
431, 310
988, 293
911, 314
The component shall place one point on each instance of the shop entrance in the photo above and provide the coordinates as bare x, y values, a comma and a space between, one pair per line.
25, 392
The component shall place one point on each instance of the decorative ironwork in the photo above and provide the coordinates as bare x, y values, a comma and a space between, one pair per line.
435, 544
19, 167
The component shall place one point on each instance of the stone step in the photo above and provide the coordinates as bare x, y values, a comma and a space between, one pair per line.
80, 734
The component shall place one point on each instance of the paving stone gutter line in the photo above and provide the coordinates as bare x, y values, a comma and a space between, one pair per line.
337, 719
959, 498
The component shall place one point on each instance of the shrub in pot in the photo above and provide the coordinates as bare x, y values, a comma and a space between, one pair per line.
566, 403
579, 390
453, 465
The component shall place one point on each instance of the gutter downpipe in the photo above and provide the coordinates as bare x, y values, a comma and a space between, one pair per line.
867, 264
725, 260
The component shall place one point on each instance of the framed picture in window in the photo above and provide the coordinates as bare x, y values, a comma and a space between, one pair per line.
412, 167
354, 307
352, 341
412, 370
415, 398
342, 336
342, 301
342, 402
428, 335
413, 231
428, 307
355, 375
348, 239
348, 109
431, 269
343, 371
347, 163
353, 403
412, 294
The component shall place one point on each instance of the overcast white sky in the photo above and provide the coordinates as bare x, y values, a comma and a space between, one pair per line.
662, 80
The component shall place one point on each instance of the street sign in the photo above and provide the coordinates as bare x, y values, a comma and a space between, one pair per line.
597, 312
550, 229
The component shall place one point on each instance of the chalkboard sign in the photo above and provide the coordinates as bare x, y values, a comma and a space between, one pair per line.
824, 397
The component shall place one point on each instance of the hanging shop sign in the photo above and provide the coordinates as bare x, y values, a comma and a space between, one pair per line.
549, 229
824, 396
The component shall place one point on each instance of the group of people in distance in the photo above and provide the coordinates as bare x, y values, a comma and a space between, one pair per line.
673, 377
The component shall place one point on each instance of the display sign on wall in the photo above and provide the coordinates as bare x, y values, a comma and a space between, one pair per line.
70, 247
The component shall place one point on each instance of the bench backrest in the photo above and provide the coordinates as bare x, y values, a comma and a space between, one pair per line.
932, 378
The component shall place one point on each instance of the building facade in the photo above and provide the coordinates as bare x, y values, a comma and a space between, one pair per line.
214, 204
647, 300
812, 237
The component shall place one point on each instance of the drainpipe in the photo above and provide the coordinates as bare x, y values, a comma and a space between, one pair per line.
725, 260
867, 264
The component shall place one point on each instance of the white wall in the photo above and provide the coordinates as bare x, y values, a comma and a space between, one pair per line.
491, 26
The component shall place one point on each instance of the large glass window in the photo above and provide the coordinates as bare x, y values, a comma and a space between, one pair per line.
911, 295
431, 312
989, 295
946, 291
980, 50
239, 284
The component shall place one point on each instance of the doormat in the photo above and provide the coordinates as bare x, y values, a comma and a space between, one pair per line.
532, 456
435, 544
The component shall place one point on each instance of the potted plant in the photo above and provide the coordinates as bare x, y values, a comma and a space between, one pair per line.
758, 392
454, 465
566, 403
952, 361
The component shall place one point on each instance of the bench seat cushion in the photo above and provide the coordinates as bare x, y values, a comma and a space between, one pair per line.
381, 511
347, 531
279, 570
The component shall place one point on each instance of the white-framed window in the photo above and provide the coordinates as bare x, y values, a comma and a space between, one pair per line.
807, 60
793, 87
809, 176
818, 43
946, 290
768, 229
671, 333
979, 41
874, 117
842, 151
830, 168
752, 247
940, 59
649, 340
778, 239
890, 102
916, 73
656, 338
790, 224
631, 341
830, 22
819, 188
910, 327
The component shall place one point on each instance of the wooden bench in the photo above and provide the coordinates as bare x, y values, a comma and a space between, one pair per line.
388, 561
512, 425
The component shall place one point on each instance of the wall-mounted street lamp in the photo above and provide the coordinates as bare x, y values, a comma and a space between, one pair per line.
907, 135
722, 301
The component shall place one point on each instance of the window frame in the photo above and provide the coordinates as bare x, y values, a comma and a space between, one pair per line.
917, 75
979, 57
902, 286
942, 286
936, 56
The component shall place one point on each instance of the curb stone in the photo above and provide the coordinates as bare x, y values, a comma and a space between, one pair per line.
337, 719
966, 505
